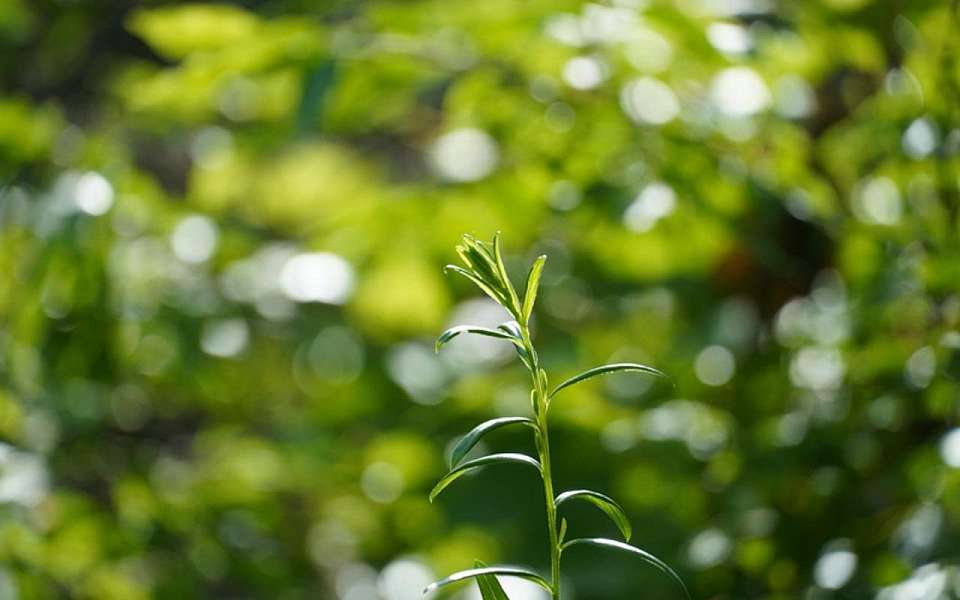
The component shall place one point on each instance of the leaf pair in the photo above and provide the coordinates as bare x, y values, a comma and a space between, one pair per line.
490, 588
470, 440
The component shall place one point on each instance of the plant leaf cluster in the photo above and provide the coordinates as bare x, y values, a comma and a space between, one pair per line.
484, 266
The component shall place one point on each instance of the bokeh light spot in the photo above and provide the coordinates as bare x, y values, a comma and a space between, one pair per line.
835, 567
715, 365
649, 101
382, 482
464, 155
93, 194
317, 277
739, 92
656, 201
584, 72
950, 448
225, 337
194, 239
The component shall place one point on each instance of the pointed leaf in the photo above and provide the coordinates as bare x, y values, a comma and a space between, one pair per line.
453, 332
603, 370
464, 253
501, 571
490, 588
502, 270
480, 262
605, 503
643, 554
484, 248
563, 531
470, 465
484, 286
470, 440
533, 284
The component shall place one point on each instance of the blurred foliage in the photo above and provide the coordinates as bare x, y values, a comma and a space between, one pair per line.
222, 228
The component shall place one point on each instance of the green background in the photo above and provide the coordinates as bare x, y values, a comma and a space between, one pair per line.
222, 229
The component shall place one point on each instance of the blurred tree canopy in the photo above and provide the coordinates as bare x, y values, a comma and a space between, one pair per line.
221, 233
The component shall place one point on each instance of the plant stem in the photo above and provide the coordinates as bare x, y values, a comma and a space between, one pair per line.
543, 449
551, 507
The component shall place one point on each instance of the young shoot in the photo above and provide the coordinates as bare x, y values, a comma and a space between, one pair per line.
484, 266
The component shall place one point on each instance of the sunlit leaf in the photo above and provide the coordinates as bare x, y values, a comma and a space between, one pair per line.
643, 554
470, 440
502, 270
533, 284
482, 265
490, 588
453, 332
603, 370
501, 571
457, 472
483, 248
486, 288
605, 503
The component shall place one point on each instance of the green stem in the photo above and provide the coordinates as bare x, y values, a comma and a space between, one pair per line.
551, 508
543, 449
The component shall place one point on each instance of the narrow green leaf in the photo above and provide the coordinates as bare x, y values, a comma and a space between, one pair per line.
603, 370
533, 284
464, 253
605, 503
485, 287
470, 440
490, 588
470, 465
502, 270
481, 263
453, 332
563, 531
643, 554
483, 247
481, 260
501, 571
